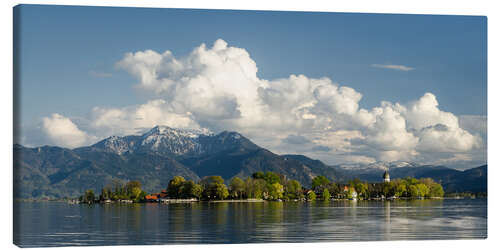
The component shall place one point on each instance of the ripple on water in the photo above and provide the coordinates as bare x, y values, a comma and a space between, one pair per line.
236, 223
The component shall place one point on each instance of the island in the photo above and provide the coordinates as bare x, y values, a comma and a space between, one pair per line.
268, 186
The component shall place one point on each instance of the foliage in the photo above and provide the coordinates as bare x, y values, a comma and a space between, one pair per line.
311, 196
272, 178
319, 181
214, 188
88, 197
436, 190
350, 193
271, 186
197, 191
255, 188
401, 189
275, 191
326, 194
334, 190
174, 187
293, 190
412, 188
106, 193
122, 191
189, 189
237, 188
258, 175
360, 187
132, 185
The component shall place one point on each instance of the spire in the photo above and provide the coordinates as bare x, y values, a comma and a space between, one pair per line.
386, 176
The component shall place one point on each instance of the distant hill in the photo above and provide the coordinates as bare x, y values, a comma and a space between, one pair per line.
58, 172
471, 180
452, 180
163, 152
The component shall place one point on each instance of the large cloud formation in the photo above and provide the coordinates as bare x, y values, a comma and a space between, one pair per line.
218, 88
63, 132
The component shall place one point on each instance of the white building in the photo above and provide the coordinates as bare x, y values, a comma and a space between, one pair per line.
386, 176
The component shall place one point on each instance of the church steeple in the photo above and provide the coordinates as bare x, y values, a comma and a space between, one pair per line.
386, 176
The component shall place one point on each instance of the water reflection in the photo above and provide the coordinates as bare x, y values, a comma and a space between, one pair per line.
387, 217
60, 224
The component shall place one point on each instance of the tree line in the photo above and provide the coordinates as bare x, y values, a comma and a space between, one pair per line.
400, 188
271, 186
118, 190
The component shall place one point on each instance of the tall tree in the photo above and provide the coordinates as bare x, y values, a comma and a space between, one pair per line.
214, 188
311, 196
174, 187
293, 190
319, 181
237, 187
189, 189
272, 178
275, 191
436, 190
326, 194
88, 196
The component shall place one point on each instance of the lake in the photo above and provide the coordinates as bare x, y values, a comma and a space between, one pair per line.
44, 224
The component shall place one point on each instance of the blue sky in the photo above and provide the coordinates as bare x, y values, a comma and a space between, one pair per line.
68, 56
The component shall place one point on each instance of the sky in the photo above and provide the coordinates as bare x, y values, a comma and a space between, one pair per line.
339, 87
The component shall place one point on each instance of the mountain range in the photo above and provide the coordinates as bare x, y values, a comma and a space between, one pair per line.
163, 152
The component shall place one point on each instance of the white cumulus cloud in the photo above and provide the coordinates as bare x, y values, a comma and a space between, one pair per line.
63, 132
134, 119
217, 87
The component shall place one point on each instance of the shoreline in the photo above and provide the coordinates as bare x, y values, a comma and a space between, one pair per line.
172, 201
242, 201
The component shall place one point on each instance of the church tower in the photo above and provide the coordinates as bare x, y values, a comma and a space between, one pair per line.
386, 176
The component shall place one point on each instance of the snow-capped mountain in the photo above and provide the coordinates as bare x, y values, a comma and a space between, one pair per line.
115, 144
379, 165
163, 139
169, 141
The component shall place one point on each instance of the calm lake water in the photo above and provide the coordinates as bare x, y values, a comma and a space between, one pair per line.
43, 224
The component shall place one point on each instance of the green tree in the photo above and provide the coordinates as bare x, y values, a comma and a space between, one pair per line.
174, 187
214, 188
131, 185
426, 181
326, 194
436, 190
189, 189
362, 189
254, 188
271, 177
237, 188
221, 191
197, 191
411, 181
401, 189
118, 190
349, 194
275, 191
293, 190
135, 194
88, 196
319, 181
211, 179
311, 196
258, 175
388, 189
413, 191
334, 189
423, 190
106, 193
